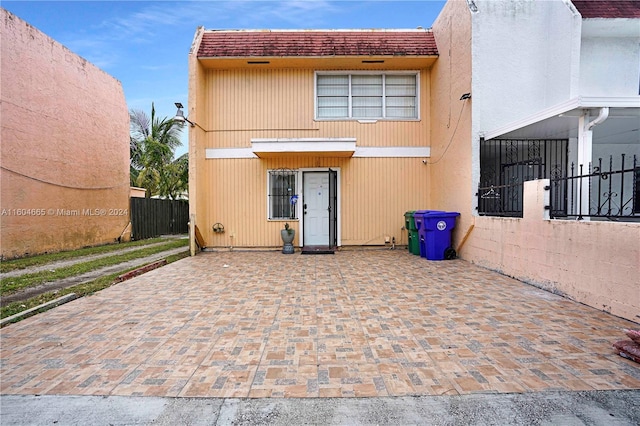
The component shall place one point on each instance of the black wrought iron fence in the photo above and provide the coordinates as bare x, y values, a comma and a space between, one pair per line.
604, 190
501, 200
505, 164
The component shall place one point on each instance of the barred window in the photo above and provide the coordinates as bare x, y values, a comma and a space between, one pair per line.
367, 96
282, 194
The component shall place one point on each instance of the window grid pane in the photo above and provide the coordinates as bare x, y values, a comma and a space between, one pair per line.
333, 90
367, 101
366, 85
333, 96
367, 112
400, 99
367, 107
367, 96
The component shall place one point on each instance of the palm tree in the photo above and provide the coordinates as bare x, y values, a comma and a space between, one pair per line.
174, 181
153, 141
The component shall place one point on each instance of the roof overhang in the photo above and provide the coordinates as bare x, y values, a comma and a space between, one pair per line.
561, 121
287, 147
320, 62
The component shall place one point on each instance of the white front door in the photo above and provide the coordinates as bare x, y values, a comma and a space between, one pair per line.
316, 208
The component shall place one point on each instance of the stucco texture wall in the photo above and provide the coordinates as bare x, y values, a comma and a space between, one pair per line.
526, 57
64, 146
450, 164
564, 257
604, 57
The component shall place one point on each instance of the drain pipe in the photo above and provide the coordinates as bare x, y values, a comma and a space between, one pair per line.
602, 116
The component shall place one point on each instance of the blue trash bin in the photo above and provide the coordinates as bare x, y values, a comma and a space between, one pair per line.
419, 217
437, 227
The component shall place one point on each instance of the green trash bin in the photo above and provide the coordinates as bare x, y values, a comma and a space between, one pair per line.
413, 244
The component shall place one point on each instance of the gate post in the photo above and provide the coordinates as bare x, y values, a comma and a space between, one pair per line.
192, 234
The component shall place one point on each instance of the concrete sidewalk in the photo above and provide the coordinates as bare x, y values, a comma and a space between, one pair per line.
543, 408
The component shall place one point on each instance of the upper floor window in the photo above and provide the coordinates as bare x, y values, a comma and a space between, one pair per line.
367, 96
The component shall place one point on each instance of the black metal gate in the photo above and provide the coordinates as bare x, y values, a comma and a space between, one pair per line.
505, 164
333, 208
152, 217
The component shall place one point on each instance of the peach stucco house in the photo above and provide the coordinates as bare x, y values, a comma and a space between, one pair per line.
65, 152
340, 132
328, 131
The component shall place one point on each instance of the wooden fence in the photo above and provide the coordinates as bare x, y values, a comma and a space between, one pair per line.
151, 217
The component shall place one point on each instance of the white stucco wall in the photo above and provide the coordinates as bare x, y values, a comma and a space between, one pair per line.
525, 58
610, 66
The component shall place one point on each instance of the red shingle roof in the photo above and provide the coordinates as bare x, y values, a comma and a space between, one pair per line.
314, 43
608, 9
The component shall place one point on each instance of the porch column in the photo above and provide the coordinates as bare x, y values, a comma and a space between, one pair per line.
585, 156
585, 142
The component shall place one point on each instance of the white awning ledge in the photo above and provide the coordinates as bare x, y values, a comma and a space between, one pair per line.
272, 147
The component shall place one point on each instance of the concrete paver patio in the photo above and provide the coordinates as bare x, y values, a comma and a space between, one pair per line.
355, 324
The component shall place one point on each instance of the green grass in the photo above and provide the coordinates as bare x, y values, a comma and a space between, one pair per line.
12, 284
12, 265
80, 290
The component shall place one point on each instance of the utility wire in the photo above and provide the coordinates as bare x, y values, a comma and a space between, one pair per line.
452, 136
90, 188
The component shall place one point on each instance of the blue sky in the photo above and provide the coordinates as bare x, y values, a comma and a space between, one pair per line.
144, 44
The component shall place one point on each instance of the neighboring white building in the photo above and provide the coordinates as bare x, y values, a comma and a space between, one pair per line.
533, 90
559, 70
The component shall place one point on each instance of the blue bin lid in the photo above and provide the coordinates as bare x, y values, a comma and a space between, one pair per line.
429, 212
436, 213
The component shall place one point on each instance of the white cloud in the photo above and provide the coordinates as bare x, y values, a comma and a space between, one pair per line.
98, 52
106, 42
280, 14
143, 25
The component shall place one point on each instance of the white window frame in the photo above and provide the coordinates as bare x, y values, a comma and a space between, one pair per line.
350, 96
295, 209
